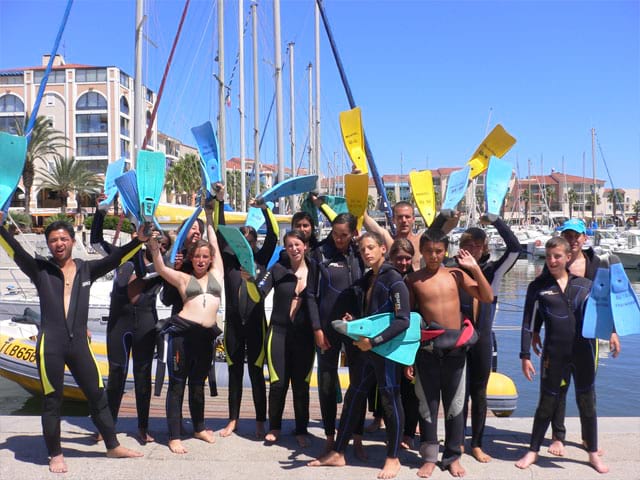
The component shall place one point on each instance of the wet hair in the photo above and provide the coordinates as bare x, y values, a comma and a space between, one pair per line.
402, 204
249, 230
59, 225
294, 234
473, 234
199, 244
554, 242
401, 244
375, 236
436, 236
301, 216
348, 219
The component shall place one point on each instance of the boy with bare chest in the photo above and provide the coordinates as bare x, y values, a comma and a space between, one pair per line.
440, 362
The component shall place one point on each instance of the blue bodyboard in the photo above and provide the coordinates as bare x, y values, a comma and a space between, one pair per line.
624, 301
456, 186
13, 154
401, 349
208, 147
497, 184
598, 318
114, 170
291, 186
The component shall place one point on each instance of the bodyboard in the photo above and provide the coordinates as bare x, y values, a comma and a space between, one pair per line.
423, 194
497, 184
208, 148
456, 186
150, 168
496, 144
255, 217
401, 349
353, 137
114, 170
624, 301
127, 184
13, 154
598, 319
290, 186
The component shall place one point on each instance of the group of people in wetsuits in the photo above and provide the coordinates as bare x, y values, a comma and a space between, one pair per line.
344, 276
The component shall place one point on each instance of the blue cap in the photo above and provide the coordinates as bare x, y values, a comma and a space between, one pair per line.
574, 224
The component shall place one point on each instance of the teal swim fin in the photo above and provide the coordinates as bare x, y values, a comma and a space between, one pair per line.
624, 301
150, 170
13, 153
598, 319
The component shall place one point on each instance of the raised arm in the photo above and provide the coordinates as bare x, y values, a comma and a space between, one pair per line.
25, 262
482, 290
173, 277
118, 255
97, 238
372, 226
265, 253
218, 267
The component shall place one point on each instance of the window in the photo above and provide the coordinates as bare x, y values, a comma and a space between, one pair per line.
11, 103
91, 75
124, 79
92, 123
124, 126
50, 100
55, 76
12, 79
92, 146
149, 95
91, 101
10, 124
95, 166
124, 106
124, 148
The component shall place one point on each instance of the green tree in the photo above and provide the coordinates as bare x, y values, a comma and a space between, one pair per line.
636, 210
572, 198
183, 178
391, 196
616, 198
69, 175
44, 144
371, 203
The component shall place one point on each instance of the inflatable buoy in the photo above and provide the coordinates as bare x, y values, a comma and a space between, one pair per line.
502, 395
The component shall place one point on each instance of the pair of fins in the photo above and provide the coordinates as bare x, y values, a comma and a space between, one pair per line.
613, 304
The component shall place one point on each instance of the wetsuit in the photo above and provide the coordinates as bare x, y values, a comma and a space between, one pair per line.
245, 323
131, 329
385, 293
480, 355
62, 338
333, 297
289, 345
189, 356
565, 351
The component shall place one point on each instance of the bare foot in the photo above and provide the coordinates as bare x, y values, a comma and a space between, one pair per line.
205, 435
426, 469
600, 450
176, 446
406, 443
479, 455
57, 464
303, 440
259, 429
144, 436
229, 429
390, 469
123, 452
329, 444
374, 426
556, 448
358, 448
456, 469
331, 459
529, 459
272, 436
597, 463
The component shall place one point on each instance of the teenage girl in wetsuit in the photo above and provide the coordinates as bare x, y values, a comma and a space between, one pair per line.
290, 337
191, 331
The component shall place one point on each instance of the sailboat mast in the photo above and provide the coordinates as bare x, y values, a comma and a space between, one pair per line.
310, 109
243, 189
279, 107
222, 133
292, 121
138, 95
318, 153
256, 117
593, 159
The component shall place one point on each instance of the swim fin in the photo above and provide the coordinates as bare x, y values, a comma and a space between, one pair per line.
115, 169
598, 319
150, 168
128, 187
13, 154
456, 187
290, 186
624, 301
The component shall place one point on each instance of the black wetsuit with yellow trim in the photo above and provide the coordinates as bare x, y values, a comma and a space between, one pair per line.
62, 338
565, 351
290, 344
245, 323
189, 356
381, 293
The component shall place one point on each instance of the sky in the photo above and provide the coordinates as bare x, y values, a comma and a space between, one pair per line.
432, 77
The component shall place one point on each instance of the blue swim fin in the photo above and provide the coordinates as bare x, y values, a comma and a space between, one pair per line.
598, 319
13, 154
128, 187
115, 169
624, 301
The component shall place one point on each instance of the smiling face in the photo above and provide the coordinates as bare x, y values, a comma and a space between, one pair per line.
402, 261
295, 249
60, 245
201, 260
557, 259
194, 233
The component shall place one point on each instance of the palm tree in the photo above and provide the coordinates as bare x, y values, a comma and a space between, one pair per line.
69, 175
44, 143
636, 210
371, 203
183, 177
572, 198
616, 198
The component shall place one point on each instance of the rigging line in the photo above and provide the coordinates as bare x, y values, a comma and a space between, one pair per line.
614, 192
237, 59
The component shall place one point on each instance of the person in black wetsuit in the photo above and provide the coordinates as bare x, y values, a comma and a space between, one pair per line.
290, 336
340, 266
245, 323
131, 328
479, 357
191, 331
557, 299
383, 290
63, 285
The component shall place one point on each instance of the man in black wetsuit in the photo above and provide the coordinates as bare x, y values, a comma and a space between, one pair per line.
63, 285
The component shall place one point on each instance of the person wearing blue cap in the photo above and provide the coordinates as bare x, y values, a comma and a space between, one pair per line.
583, 263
